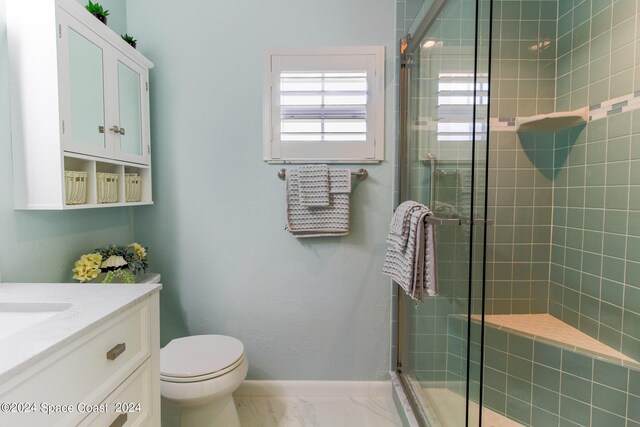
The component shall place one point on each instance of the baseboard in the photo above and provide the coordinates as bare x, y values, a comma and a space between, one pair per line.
372, 389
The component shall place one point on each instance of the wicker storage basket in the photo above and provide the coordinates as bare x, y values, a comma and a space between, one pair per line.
132, 187
107, 187
75, 187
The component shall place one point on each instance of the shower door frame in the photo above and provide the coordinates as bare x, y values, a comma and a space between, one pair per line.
408, 45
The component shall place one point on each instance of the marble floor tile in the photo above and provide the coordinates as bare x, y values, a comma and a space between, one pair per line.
276, 411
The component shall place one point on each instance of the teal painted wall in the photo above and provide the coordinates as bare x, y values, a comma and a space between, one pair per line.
42, 246
304, 309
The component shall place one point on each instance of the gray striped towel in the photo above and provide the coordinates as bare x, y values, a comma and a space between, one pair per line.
413, 266
303, 221
313, 185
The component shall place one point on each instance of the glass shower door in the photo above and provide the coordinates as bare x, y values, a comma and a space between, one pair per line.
443, 165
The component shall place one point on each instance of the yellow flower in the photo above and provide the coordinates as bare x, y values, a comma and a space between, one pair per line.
95, 258
140, 250
87, 267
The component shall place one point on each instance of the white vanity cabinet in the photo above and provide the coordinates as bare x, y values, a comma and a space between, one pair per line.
79, 102
107, 376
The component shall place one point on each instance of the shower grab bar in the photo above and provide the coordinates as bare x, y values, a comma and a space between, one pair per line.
443, 221
457, 221
361, 174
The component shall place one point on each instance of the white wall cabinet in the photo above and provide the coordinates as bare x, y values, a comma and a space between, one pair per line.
80, 102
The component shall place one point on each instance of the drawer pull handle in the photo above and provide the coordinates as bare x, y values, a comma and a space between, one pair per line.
119, 422
116, 351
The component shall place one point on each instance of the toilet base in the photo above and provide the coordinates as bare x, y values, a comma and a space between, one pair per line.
221, 413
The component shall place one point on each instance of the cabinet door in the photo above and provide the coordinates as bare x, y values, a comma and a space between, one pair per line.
82, 89
132, 110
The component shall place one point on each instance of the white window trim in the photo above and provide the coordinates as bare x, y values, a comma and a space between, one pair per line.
375, 91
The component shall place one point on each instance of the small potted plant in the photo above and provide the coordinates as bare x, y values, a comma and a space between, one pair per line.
129, 39
98, 11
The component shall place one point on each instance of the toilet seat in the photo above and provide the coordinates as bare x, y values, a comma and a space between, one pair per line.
200, 358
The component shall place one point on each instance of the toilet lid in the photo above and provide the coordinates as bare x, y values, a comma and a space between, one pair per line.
199, 355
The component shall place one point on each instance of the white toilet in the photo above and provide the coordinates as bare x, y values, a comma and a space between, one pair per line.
198, 374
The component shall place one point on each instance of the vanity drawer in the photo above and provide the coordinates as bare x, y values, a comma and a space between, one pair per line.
84, 372
129, 405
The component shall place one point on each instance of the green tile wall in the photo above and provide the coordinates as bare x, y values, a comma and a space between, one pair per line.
523, 57
589, 179
523, 83
585, 176
596, 52
594, 254
594, 283
542, 385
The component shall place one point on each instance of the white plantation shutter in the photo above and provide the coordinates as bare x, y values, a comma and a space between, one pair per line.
324, 107
455, 106
319, 107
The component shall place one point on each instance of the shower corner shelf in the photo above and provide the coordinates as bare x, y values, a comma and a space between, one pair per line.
552, 122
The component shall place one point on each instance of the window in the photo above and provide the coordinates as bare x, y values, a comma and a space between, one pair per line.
324, 105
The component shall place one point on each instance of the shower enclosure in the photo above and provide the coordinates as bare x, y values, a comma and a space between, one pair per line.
518, 129
444, 102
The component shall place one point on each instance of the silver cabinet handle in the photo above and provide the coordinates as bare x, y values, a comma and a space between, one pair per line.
116, 351
114, 129
100, 129
119, 421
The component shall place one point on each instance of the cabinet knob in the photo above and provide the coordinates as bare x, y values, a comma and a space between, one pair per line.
119, 421
100, 129
115, 129
116, 351
121, 131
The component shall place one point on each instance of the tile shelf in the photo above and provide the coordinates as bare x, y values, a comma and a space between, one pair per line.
552, 122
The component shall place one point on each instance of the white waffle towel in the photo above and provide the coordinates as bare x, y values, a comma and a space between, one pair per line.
339, 181
399, 228
314, 186
412, 266
304, 221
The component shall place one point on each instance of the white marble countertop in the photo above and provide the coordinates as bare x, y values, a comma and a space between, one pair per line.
91, 306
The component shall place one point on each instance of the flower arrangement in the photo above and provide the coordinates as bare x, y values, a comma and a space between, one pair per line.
119, 263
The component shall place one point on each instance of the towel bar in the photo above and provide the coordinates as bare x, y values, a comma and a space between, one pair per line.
443, 221
456, 221
361, 174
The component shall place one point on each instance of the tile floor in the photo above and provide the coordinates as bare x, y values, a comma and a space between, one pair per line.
272, 411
